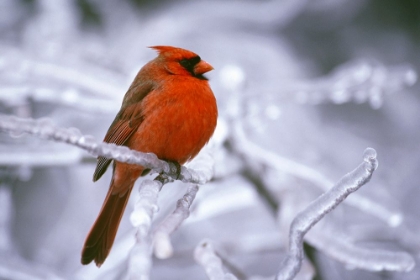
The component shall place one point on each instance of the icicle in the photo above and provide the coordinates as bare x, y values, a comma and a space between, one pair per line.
204, 254
163, 248
140, 262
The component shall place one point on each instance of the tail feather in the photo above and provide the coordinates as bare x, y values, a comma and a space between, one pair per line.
101, 237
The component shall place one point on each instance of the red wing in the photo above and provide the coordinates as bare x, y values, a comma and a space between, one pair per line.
125, 124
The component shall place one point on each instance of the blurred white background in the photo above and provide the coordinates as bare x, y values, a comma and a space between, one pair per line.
311, 83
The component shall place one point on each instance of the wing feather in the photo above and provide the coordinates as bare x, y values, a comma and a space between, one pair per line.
125, 123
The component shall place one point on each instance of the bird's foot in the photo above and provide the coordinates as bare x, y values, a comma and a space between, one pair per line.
175, 169
174, 173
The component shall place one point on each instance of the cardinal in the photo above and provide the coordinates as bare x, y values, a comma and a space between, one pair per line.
168, 110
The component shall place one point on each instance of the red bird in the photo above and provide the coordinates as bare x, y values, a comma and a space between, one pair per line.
169, 110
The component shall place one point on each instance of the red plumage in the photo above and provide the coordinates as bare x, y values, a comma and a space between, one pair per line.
169, 110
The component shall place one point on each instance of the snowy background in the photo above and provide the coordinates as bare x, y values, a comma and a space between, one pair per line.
303, 88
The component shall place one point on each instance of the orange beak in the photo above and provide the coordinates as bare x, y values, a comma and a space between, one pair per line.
202, 67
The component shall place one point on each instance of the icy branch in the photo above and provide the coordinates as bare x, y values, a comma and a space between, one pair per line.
358, 81
71, 97
163, 247
305, 220
45, 129
205, 255
339, 247
140, 262
200, 170
99, 81
258, 154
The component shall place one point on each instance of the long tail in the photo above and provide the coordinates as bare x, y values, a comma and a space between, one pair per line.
101, 237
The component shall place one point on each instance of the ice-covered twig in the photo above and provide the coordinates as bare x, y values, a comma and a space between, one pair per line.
342, 249
92, 79
201, 169
305, 220
204, 254
162, 243
359, 81
140, 262
45, 129
267, 158
73, 98
233, 79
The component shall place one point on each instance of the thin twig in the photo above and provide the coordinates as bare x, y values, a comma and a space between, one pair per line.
162, 244
45, 129
140, 262
305, 220
205, 255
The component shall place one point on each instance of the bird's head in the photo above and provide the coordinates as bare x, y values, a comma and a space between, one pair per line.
179, 61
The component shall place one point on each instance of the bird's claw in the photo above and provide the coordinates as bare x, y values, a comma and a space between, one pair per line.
175, 169
174, 173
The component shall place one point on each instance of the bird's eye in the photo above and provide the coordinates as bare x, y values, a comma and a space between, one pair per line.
190, 63
186, 63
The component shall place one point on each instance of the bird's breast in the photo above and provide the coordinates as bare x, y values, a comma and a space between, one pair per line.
179, 118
